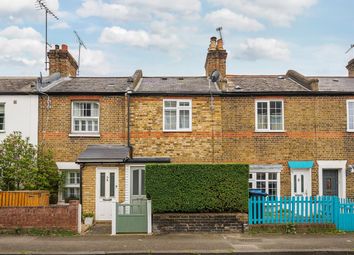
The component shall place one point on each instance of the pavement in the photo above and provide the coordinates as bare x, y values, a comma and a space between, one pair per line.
181, 244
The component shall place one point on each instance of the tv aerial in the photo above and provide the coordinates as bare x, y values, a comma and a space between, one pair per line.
81, 44
219, 29
351, 47
42, 5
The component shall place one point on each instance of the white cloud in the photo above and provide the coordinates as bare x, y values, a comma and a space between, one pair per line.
279, 12
263, 48
230, 20
122, 10
140, 38
21, 51
59, 25
93, 62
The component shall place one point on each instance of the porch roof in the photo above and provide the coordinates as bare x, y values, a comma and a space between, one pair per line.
300, 164
104, 153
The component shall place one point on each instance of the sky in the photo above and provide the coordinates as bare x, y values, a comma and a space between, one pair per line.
164, 37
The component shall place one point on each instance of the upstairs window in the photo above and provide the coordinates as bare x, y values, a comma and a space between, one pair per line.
269, 115
177, 115
85, 117
350, 115
2, 117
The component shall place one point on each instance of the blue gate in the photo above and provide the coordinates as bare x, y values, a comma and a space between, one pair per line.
345, 218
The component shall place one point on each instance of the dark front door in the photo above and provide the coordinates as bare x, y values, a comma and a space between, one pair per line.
330, 182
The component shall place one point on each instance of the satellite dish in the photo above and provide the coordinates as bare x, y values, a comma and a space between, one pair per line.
215, 76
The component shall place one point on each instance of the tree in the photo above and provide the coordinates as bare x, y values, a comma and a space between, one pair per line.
23, 166
18, 166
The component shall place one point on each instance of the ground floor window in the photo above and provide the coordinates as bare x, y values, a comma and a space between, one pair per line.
265, 181
71, 189
137, 176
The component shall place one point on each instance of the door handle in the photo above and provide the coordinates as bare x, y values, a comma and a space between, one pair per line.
107, 199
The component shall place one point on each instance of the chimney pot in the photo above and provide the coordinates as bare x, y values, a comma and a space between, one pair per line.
212, 45
57, 47
64, 47
220, 44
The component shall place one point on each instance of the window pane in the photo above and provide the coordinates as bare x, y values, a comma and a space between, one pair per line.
170, 119
183, 103
77, 125
184, 119
135, 182
111, 184
72, 178
262, 118
78, 178
261, 176
103, 184
76, 111
272, 188
276, 115
2, 117
170, 103
89, 125
261, 185
95, 126
295, 184
272, 176
142, 191
302, 184
95, 110
250, 185
351, 115
83, 125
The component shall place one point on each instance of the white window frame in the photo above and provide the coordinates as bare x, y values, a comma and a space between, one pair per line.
178, 108
67, 184
268, 115
93, 118
253, 180
3, 130
348, 126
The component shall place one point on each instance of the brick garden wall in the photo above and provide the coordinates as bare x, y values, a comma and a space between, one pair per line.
199, 222
42, 217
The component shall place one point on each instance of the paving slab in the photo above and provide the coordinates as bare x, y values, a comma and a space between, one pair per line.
180, 244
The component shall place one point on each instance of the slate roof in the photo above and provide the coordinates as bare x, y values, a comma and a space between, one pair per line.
90, 85
262, 83
104, 153
198, 84
336, 84
18, 85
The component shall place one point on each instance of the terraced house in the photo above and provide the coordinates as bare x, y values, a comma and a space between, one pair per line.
296, 132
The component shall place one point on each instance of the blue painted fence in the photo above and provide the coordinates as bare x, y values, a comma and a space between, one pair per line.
285, 210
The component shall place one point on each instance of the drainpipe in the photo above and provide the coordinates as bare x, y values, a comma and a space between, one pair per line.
81, 170
128, 94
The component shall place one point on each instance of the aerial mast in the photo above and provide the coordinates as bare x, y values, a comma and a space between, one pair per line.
81, 44
42, 5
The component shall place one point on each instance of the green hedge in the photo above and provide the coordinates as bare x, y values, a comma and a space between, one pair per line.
197, 187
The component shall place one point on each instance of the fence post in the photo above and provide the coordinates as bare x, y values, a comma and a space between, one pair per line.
149, 216
114, 218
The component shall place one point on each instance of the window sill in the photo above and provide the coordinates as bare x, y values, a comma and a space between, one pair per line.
72, 186
177, 131
271, 131
348, 130
3, 131
94, 135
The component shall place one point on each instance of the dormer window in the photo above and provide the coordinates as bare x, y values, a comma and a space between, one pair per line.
177, 115
85, 117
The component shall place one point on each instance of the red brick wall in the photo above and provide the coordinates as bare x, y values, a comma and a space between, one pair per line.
42, 217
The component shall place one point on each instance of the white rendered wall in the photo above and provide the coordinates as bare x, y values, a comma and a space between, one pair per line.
21, 114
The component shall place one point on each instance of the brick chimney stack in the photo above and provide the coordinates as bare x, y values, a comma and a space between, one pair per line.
350, 68
216, 57
61, 61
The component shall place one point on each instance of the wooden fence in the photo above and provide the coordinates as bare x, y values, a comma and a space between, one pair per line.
309, 210
24, 198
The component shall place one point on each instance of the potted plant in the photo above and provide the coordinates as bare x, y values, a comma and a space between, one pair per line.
88, 218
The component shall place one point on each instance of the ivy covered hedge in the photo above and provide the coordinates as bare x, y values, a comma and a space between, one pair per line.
191, 188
